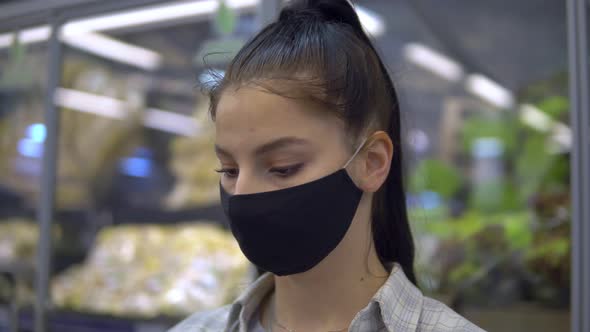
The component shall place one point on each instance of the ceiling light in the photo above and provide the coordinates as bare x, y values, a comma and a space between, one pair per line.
116, 50
489, 91
93, 43
156, 14
90, 103
429, 59
371, 22
535, 118
562, 134
26, 36
171, 122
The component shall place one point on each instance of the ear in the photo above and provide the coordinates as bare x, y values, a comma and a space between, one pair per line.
375, 165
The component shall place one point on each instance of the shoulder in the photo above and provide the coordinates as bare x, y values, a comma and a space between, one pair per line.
405, 308
437, 317
204, 321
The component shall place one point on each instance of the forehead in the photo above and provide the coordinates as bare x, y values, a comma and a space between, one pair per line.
256, 114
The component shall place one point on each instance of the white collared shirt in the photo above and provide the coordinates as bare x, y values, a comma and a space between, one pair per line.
398, 306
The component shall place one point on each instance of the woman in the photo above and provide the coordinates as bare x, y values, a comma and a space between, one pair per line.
308, 138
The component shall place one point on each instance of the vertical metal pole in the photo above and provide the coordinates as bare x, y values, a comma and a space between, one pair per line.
48, 178
584, 151
579, 73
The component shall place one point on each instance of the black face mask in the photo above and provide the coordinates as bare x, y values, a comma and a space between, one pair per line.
291, 230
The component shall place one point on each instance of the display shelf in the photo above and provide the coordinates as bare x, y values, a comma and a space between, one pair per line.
159, 216
61, 320
120, 215
133, 215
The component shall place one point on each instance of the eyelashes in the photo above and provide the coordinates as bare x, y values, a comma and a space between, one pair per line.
286, 171
281, 172
228, 172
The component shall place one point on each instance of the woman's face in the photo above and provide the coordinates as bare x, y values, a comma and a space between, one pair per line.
266, 142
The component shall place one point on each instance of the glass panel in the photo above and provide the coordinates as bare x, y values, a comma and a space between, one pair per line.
136, 149
484, 93
23, 57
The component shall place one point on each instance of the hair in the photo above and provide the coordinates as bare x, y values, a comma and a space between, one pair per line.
317, 51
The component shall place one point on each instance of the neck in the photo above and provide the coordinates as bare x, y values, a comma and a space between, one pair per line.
328, 297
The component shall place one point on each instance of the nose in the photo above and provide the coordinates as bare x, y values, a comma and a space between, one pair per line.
247, 183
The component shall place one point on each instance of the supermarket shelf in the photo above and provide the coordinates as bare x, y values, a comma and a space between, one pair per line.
73, 321
126, 215
158, 216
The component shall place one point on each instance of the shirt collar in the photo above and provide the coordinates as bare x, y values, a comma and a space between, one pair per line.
248, 302
398, 300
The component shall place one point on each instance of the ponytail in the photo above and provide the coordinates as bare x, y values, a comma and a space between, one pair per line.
391, 228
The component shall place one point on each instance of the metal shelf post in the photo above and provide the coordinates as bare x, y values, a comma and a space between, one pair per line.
579, 76
48, 177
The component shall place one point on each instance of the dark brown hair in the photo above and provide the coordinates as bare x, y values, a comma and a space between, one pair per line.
317, 51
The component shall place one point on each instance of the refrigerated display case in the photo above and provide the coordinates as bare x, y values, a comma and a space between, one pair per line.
487, 107
127, 135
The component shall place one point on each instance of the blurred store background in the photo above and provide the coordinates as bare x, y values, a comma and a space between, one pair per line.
136, 239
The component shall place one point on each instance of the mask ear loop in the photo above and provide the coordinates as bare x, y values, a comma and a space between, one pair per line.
356, 152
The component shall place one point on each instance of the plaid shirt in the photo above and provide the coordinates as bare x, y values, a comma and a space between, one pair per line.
397, 307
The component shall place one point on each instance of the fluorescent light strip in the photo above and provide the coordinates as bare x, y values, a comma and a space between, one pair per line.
116, 109
429, 59
6, 40
535, 118
562, 134
116, 50
157, 14
141, 16
371, 22
36, 34
26, 36
90, 103
170, 122
94, 43
489, 90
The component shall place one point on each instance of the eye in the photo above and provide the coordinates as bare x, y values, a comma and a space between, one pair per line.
286, 171
228, 172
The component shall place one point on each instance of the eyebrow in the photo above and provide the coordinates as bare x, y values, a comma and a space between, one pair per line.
266, 148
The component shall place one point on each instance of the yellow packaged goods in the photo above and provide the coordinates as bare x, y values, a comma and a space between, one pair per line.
155, 270
87, 156
18, 240
193, 161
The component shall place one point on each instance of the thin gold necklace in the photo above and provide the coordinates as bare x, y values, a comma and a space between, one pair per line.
274, 320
